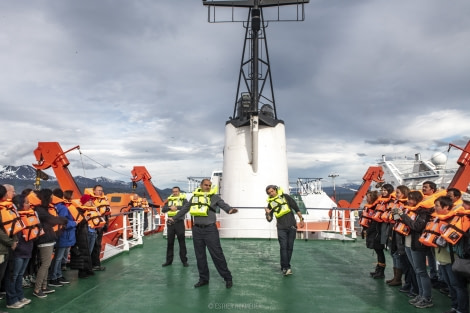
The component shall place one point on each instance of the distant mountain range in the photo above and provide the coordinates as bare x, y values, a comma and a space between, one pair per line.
24, 176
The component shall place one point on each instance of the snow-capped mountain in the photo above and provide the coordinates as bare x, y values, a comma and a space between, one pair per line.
24, 176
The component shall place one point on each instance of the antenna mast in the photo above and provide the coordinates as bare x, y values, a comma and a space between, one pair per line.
255, 91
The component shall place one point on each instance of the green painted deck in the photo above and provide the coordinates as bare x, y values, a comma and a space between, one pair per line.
329, 276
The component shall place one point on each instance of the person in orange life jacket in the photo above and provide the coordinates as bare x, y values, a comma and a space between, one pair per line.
174, 203
371, 197
456, 196
7, 192
377, 234
462, 251
411, 284
18, 263
205, 232
397, 242
66, 239
80, 253
457, 290
31, 267
286, 223
429, 188
67, 200
46, 242
418, 254
96, 252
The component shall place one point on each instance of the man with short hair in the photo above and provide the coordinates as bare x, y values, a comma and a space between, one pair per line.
202, 206
173, 204
455, 195
100, 201
284, 208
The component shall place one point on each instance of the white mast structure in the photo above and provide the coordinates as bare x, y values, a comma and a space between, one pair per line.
255, 153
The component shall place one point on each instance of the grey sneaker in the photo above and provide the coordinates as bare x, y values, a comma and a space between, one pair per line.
415, 300
288, 272
16, 305
25, 301
424, 303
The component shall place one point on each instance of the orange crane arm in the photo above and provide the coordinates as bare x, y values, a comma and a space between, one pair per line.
374, 173
462, 177
140, 173
50, 154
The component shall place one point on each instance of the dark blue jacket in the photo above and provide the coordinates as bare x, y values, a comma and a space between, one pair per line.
67, 237
24, 249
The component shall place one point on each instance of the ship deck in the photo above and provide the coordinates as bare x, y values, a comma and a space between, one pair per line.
329, 276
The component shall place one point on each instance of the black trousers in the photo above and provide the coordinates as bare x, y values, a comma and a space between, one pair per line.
176, 230
95, 253
208, 237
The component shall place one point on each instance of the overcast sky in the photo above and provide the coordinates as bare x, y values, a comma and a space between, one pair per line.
152, 83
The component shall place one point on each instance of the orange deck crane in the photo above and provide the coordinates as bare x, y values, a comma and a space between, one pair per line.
462, 177
140, 173
50, 154
374, 173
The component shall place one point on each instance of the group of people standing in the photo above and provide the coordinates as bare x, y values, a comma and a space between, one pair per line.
202, 207
412, 224
38, 232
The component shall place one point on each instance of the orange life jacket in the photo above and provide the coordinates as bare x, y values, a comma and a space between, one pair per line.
93, 217
145, 205
102, 204
401, 227
32, 229
52, 211
432, 231
366, 216
387, 216
33, 199
76, 214
380, 209
458, 225
11, 220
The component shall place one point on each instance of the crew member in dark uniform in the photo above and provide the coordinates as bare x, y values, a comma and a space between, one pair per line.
173, 204
202, 207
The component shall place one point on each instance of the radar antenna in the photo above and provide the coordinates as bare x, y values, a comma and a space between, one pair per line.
255, 91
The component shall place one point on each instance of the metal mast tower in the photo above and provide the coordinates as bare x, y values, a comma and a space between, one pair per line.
255, 153
255, 91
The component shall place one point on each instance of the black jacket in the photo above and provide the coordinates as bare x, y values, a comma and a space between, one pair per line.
47, 222
417, 226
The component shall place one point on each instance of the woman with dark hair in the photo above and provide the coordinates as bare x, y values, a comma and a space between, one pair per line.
397, 246
377, 232
46, 242
417, 252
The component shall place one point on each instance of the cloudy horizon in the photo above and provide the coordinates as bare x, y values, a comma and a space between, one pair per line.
152, 84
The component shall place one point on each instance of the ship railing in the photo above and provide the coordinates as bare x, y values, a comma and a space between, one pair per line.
135, 225
320, 223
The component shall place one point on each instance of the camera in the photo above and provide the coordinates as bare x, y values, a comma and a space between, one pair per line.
395, 214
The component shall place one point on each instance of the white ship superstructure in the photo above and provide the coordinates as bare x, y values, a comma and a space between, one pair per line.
412, 172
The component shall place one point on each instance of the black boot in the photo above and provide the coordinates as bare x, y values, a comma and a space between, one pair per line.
380, 271
375, 271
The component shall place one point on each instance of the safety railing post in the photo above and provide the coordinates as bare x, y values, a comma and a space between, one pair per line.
125, 242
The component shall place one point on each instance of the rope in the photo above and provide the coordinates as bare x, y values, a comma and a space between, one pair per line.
81, 160
101, 165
